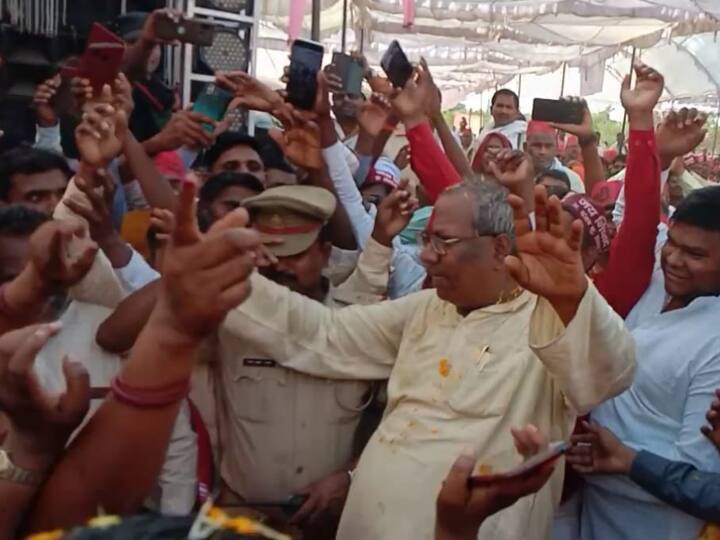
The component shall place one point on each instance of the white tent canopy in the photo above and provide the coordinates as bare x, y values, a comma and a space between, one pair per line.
476, 45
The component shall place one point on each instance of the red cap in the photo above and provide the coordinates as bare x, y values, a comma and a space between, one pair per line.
610, 154
169, 164
537, 126
606, 193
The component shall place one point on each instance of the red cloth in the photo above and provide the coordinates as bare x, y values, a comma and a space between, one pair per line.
429, 162
606, 193
632, 252
538, 126
169, 164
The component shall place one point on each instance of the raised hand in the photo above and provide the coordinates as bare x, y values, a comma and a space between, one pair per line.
101, 133
461, 509
41, 422
185, 128
512, 168
82, 92
99, 192
548, 262
434, 96
528, 440
122, 95
648, 89
583, 130
599, 451
680, 132
60, 255
712, 431
43, 101
394, 214
411, 103
374, 114
149, 34
204, 277
301, 145
249, 92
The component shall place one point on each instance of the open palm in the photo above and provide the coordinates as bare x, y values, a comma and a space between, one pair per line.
548, 261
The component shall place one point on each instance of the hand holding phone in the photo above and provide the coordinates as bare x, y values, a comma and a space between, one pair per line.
213, 103
194, 31
558, 111
351, 71
552, 453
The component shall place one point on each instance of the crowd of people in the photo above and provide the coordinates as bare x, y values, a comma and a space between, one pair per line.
334, 326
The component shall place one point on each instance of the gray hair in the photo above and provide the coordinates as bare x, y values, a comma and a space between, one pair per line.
492, 214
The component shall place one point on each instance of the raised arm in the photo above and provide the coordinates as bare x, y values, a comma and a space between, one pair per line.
581, 341
632, 252
429, 162
101, 466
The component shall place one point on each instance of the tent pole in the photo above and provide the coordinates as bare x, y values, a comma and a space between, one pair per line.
315, 25
519, 86
717, 121
562, 82
344, 26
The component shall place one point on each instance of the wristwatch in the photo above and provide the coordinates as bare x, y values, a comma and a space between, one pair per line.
12, 473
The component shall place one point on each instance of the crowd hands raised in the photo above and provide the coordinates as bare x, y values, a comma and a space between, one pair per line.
538, 237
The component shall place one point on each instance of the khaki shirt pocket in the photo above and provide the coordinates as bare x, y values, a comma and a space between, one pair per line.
350, 399
258, 393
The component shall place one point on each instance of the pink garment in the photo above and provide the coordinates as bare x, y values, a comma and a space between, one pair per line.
295, 18
408, 12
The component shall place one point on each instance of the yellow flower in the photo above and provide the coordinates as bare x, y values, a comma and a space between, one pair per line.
444, 367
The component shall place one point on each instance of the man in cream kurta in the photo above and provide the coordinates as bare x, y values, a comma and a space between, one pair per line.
454, 382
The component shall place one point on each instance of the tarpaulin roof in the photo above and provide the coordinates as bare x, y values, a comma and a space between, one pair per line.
473, 45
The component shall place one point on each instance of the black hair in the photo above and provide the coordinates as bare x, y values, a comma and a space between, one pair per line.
27, 160
557, 175
506, 92
214, 185
273, 158
701, 208
18, 220
228, 140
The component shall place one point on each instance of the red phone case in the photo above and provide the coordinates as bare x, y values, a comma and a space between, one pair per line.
102, 59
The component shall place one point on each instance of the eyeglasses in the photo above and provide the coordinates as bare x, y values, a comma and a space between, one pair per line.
440, 245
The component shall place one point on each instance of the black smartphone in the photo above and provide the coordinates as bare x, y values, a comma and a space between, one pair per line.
350, 71
212, 102
396, 65
555, 110
305, 61
290, 505
195, 31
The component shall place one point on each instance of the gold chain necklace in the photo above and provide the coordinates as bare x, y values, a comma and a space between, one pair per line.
516, 292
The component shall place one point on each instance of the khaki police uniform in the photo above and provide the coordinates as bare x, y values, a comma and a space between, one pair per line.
280, 430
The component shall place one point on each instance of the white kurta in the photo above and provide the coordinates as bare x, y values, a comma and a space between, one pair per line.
507, 365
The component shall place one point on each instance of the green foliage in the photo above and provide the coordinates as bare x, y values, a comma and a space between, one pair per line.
608, 128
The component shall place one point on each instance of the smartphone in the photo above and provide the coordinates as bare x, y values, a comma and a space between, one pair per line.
350, 71
213, 103
396, 65
552, 453
195, 31
305, 61
102, 59
555, 110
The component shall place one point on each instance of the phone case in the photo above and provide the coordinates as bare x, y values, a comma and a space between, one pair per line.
212, 102
396, 65
195, 31
102, 59
553, 452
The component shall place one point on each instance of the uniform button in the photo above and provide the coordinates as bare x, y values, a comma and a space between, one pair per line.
299, 470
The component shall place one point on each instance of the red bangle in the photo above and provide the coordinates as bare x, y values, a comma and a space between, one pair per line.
149, 396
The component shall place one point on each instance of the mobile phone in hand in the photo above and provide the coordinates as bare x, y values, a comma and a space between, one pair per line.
351, 73
305, 61
558, 111
552, 453
102, 59
213, 103
194, 31
396, 65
